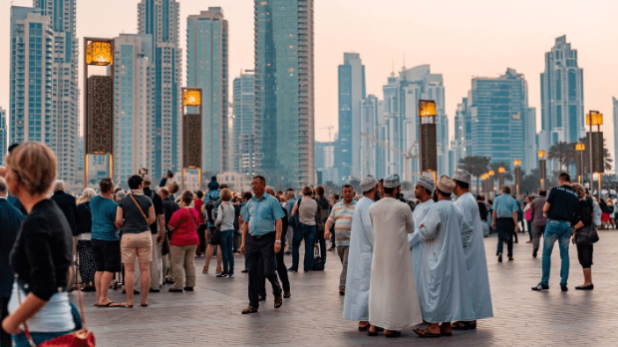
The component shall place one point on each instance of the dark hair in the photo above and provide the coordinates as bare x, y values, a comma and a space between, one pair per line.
543, 192
506, 190
106, 185
428, 191
187, 197
213, 178
336, 196
13, 146
223, 186
463, 185
447, 195
389, 190
247, 195
564, 177
307, 191
135, 181
261, 178
199, 194
347, 185
320, 191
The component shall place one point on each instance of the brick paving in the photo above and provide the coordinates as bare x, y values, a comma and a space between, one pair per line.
211, 316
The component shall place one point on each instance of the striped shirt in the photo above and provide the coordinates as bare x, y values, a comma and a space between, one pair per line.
341, 216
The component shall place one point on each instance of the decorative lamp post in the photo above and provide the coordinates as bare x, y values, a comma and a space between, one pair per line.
580, 148
501, 171
517, 164
191, 132
595, 145
491, 174
99, 102
542, 167
428, 154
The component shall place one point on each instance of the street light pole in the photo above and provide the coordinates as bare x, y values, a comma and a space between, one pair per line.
542, 168
517, 163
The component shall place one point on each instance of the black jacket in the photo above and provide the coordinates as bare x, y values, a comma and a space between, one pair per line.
10, 222
67, 205
83, 218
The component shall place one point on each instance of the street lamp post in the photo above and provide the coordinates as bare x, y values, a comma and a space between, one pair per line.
517, 164
580, 148
191, 132
542, 167
595, 143
428, 153
501, 171
491, 174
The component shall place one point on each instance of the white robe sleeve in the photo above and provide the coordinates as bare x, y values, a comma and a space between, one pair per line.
367, 227
410, 223
431, 225
466, 230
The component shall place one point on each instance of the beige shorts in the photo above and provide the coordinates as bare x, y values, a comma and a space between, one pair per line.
139, 245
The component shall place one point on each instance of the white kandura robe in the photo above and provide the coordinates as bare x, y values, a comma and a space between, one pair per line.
416, 246
393, 301
356, 300
445, 294
478, 278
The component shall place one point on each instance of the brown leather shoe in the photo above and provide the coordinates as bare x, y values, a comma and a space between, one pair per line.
278, 301
205, 270
250, 309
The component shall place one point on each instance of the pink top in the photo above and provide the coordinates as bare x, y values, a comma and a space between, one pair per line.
186, 221
528, 214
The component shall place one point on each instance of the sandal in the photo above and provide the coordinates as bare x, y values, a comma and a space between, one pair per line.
426, 333
364, 328
205, 270
219, 270
111, 304
250, 309
278, 301
393, 333
463, 326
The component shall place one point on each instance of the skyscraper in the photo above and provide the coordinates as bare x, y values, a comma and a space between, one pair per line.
244, 123
159, 18
65, 92
284, 99
207, 68
461, 140
502, 126
371, 153
134, 113
351, 95
562, 96
3, 136
615, 103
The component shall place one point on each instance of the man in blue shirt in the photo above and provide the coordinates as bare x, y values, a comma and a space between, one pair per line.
261, 240
105, 241
505, 220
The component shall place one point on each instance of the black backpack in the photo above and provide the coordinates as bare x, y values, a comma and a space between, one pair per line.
211, 205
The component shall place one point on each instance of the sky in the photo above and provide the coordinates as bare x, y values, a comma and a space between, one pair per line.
459, 39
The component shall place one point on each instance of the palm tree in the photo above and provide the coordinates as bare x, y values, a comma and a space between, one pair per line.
563, 152
476, 165
507, 170
607, 157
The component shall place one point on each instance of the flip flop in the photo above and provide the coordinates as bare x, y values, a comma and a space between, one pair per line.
111, 304
426, 333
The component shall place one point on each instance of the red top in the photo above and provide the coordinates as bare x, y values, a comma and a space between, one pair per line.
186, 232
198, 203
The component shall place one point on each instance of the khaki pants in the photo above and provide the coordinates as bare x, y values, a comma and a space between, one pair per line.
183, 266
155, 265
343, 252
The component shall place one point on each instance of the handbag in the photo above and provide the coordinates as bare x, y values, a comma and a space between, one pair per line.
587, 235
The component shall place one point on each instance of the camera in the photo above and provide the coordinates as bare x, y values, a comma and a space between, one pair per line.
170, 173
143, 171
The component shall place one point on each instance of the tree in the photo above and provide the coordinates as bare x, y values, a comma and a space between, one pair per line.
508, 176
563, 152
476, 165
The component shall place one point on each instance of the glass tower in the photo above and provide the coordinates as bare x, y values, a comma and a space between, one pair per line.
3, 136
371, 153
284, 92
159, 18
207, 68
351, 95
244, 123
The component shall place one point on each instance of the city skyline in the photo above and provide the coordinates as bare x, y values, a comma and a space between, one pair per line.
454, 53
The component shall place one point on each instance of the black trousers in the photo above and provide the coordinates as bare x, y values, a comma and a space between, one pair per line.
201, 234
506, 229
5, 339
282, 271
261, 248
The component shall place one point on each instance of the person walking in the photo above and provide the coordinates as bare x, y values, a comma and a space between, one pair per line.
290, 195
560, 208
505, 221
157, 230
612, 212
527, 217
538, 220
134, 215
105, 241
169, 207
307, 210
10, 221
261, 240
356, 303
183, 226
211, 204
225, 222
341, 218
324, 211
605, 214
41, 257
201, 231
582, 221
393, 300
83, 220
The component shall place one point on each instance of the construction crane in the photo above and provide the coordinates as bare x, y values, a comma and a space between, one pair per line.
407, 156
330, 128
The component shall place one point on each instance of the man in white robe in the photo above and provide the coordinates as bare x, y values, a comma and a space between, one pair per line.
393, 302
356, 302
445, 293
423, 191
476, 262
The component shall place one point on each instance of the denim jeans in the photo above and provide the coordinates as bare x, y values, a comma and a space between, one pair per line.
560, 231
506, 229
227, 250
20, 340
306, 232
529, 225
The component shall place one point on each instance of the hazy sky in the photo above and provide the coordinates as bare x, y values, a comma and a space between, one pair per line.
460, 39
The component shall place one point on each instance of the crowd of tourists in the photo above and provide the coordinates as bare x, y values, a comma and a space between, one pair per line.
418, 264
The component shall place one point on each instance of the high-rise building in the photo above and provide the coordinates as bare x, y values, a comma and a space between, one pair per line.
615, 103
461, 140
324, 162
401, 96
284, 98
501, 125
562, 96
371, 153
31, 107
351, 95
159, 18
244, 123
133, 104
207, 68
3, 136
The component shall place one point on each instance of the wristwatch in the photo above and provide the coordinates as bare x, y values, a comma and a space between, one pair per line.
278, 241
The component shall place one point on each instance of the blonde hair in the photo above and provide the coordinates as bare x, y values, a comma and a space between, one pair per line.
226, 195
35, 166
87, 194
579, 190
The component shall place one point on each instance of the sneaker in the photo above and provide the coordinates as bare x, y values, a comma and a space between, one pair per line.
230, 275
245, 271
564, 288
500, 258
534, 252
223, 274
539, 287
189, 289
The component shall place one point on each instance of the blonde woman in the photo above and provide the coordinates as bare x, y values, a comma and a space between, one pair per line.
83, 219
225, 221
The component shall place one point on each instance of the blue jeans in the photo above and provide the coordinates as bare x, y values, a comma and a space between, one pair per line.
227, 250
38, 338
306, 232
560, 231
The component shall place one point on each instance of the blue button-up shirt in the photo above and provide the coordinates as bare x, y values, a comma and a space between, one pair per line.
262, 214
504, 205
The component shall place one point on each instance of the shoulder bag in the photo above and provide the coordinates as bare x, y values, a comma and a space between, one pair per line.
140, 209
587, 235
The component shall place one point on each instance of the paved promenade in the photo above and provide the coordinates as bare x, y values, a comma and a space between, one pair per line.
211, 316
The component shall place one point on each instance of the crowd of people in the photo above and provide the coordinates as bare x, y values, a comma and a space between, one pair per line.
403, 264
